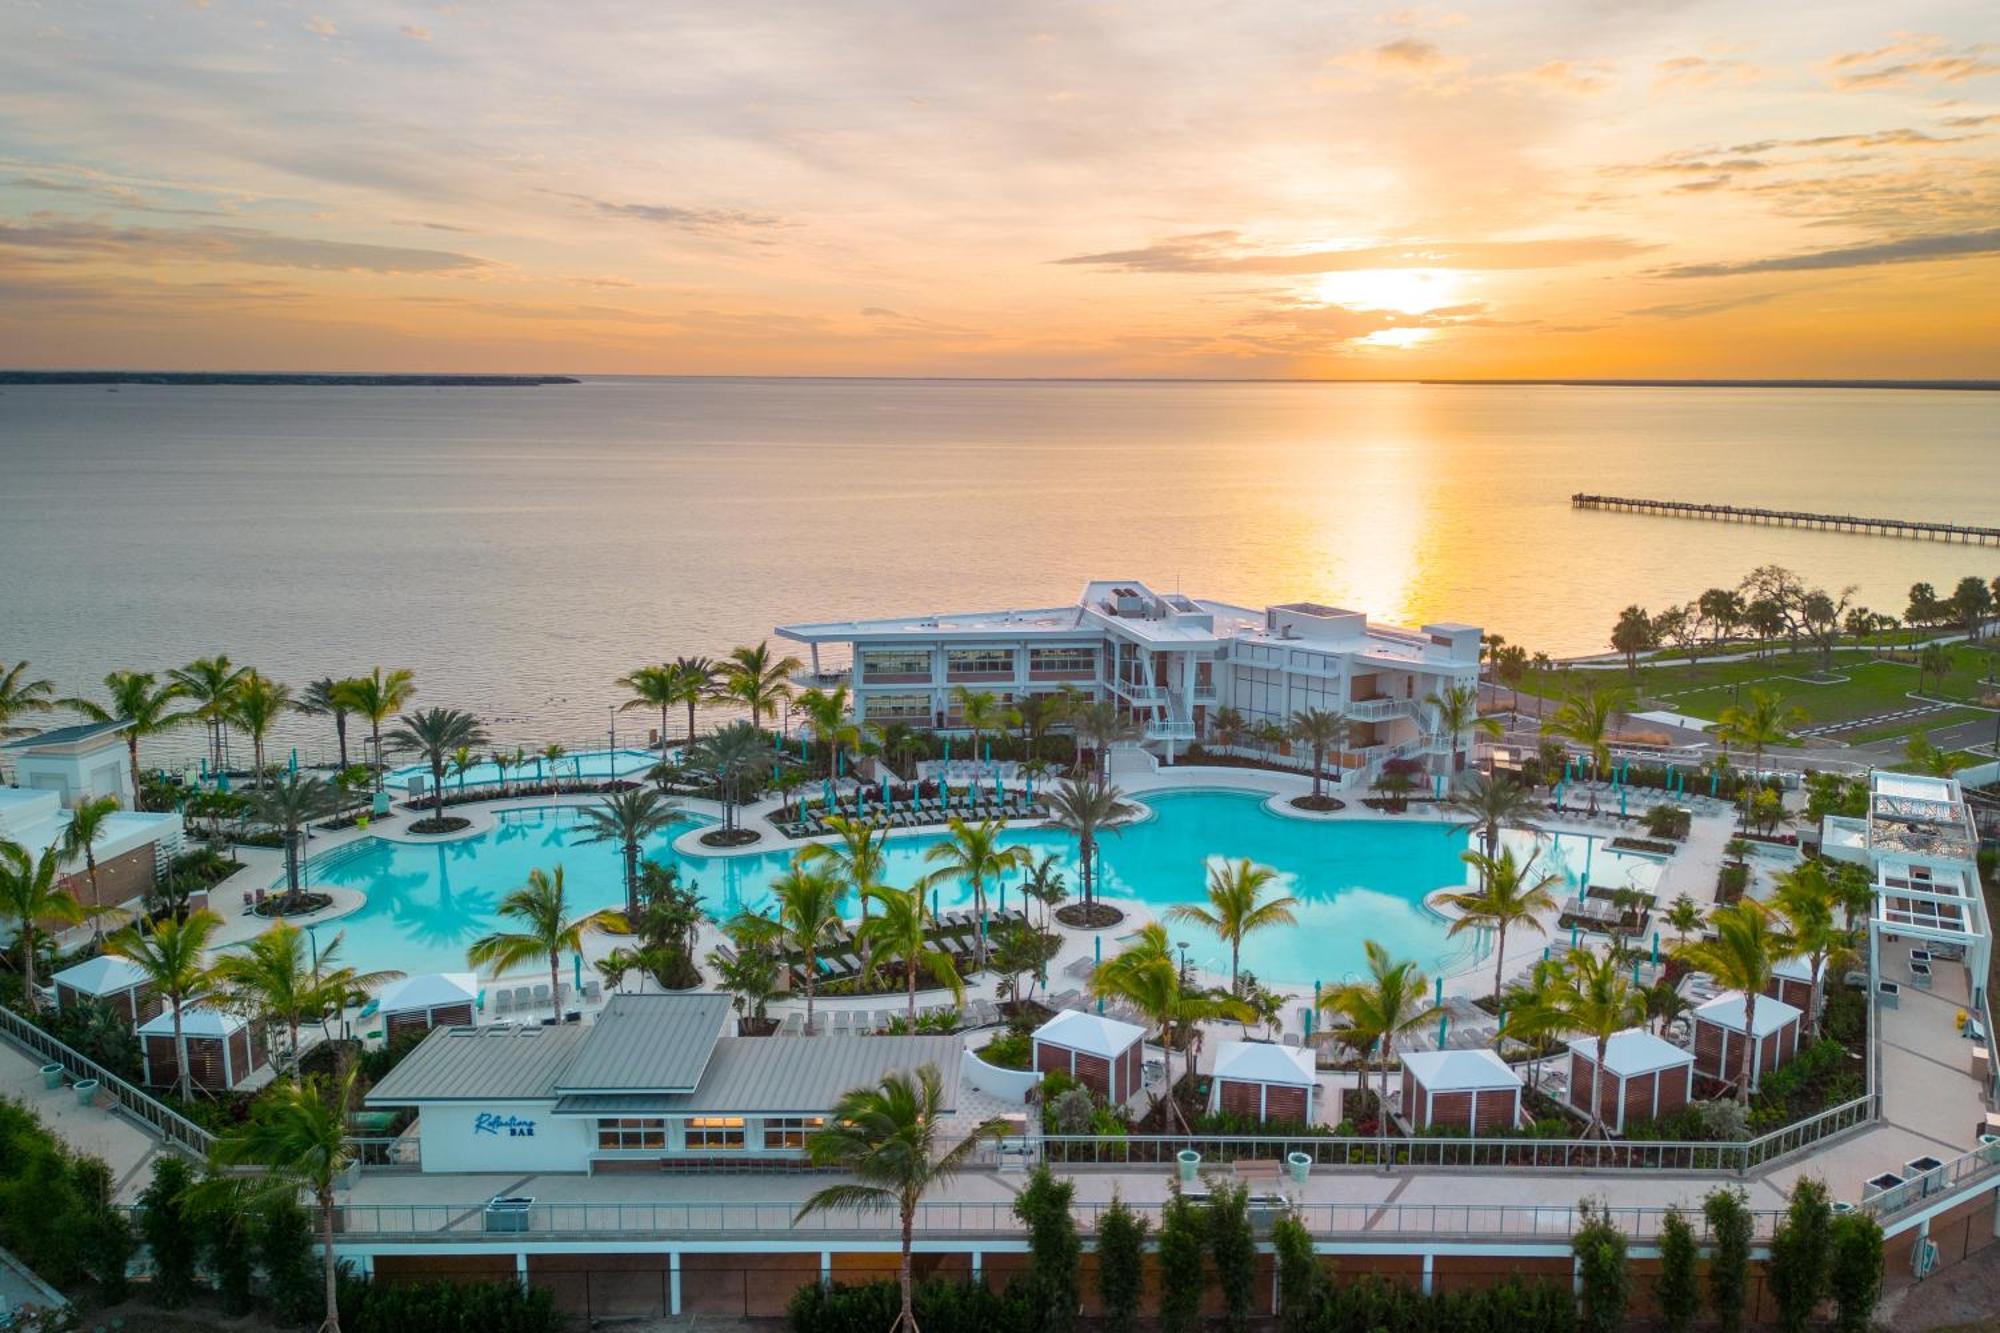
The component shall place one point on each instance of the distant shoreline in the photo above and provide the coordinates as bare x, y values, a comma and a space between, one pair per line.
255, 379
363, 380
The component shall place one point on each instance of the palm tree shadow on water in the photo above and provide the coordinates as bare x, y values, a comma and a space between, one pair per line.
448, 919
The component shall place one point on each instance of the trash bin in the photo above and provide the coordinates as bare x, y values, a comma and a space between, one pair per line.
52, 1077
508, 1212
86, 1090
1298, 1165
1189, 1161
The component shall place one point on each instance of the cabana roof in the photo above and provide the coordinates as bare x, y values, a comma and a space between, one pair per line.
1262, 1062
197, 1020
1726, 1011
1796, 969
102, 975
428, 990
1633, 1052
1092, 1034
1461, 1071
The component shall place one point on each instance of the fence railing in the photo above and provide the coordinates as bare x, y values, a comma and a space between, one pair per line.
456, 1221
1452, 1153
1948, 1178
149, 1111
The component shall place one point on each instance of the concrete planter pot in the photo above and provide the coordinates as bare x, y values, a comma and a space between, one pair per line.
86, 1091
52, 1077
1189, 1161
1298, 1166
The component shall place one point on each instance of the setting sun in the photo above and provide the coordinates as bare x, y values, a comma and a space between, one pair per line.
1408, 291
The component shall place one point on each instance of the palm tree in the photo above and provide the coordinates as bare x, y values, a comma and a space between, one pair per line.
730, 755
298, 1134
1145, 976
1588, 720
1103, 726
1037, 713
20, 696
1389, 1003
463, 761
276, 975
142, 704
1490, 804
1747, 945
377, 697
756, 681
627, 819
808, 914
86, 826
1685, 917
1454, 711
1236, 907
1226, 724
260, 702
1934, 660
1087, 810
502, 760
550, 755
694, 684
826, 716
31, 898
1765, 722
172, 959
979, 711
322, 699
858, 858
972, 854
1508, 895
651, 687
886, 1138
1045, 884
210, 684
436, 733
547, 929
900, 932
1593, 996
1806, 898
1318, 729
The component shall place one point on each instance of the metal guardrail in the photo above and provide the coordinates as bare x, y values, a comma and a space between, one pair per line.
149, 1111
460, 1221
1982, 1164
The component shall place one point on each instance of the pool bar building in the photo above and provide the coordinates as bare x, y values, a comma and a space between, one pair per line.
1167, 660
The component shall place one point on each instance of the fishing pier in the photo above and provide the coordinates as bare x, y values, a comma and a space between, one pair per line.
1915, 529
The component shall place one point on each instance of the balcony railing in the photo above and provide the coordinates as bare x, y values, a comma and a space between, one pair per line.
1380, 709
151, 1113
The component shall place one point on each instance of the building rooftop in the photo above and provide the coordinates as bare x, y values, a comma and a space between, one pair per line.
786, 1076
1263, 1062
648, 1043
481, 1064
1726, 1011
197, 1020
61, 737
427, 990
105, 974
1461, 1071
1093, 1034
1632, 1052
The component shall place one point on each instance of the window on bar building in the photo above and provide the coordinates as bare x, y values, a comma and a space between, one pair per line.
632, 1133
790, 1131
895, 662
980, 659
1062, 659
714, 1132
882, 706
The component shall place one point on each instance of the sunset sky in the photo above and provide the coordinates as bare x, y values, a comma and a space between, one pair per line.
1154, 188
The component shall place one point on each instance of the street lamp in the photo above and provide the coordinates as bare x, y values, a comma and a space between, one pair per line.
611, 758
1182, 946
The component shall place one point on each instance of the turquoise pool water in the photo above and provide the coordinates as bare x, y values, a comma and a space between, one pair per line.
1356, 879
585, 765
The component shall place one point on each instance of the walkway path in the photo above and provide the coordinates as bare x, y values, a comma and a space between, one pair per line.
126, 1148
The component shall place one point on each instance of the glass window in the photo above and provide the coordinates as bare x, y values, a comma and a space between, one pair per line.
881, 706
714, 1132
633, 1133
980, 659
790, 1131
1062, 659
895, 662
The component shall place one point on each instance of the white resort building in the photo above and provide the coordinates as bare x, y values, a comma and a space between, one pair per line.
1169, 661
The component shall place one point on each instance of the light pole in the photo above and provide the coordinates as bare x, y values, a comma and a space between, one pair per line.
1182, 946
611, 757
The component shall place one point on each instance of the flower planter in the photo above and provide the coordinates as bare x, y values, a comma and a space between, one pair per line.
52, 1077
86, 1091
1189, 1161
1298, 1165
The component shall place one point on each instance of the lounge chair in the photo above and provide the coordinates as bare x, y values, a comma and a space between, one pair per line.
882, 1019
524, 997
794, 1024
542, 998
503, 1000
592, 992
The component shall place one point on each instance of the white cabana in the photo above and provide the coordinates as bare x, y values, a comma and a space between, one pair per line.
426, 1001
1106, 1055
1792, 982
118, 982
1719, 1036
1473, 1090
1644, 1077
223, 1048
1256, 1078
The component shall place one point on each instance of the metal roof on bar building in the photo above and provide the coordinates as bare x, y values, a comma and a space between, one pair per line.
787, 1076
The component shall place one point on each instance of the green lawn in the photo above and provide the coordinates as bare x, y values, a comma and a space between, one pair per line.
1869, 685
1889, 731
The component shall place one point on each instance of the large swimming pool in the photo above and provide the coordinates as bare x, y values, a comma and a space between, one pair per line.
1356, 879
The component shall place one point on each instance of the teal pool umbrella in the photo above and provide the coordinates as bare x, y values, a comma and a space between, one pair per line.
1635, 972
221, 780
826, 792
1656, 947
1031, 789
1503, 1020
295, 762
1444, 1023
1712, 776
1003, 897
989, 752
888, 801
997, 797
1097, 948
804, 754
839, 767
1572, 937
1621, 802
934, 904
1589, 848
577, 971
947, 749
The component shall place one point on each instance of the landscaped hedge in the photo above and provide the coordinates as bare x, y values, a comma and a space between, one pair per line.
940, 1305
55, 1208
451, 1307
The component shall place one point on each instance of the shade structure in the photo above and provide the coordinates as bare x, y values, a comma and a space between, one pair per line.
425, 1001
1727, 1029
1262, 1080
1106, 1055
1643, 1077
1472, 1090
223, 1048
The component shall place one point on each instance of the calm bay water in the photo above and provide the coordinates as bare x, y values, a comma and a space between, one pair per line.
520, 548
